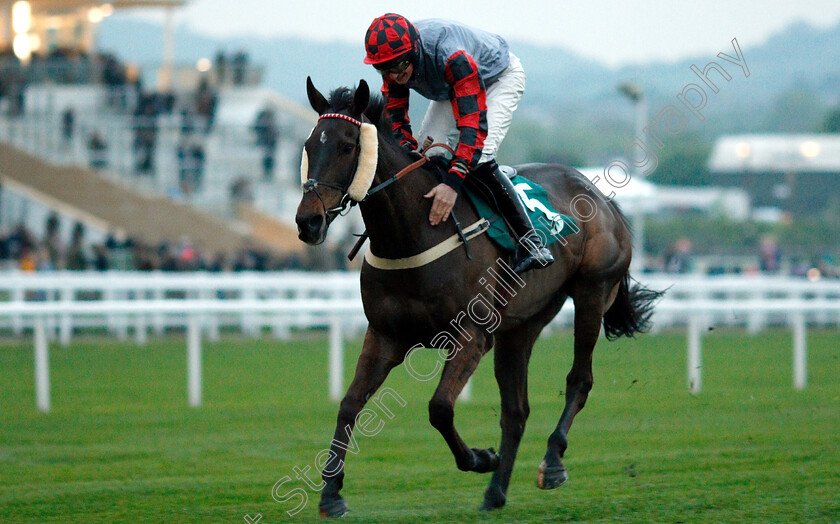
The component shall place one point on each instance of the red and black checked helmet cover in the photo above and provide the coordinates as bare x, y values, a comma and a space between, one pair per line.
388, 37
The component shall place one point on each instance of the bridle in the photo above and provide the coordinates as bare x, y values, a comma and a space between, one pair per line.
344, 205
311, 185
347, 202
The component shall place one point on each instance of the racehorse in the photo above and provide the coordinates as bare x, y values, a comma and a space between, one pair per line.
352, 149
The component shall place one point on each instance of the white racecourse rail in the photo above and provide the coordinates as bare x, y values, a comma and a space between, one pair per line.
58, 303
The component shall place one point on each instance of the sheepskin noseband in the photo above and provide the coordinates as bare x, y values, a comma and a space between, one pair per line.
368, 157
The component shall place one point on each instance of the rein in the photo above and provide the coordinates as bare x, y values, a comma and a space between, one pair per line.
347, 202
407, 169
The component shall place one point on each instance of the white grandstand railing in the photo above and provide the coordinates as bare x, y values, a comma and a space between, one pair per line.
110, 286
106, 287
58, 303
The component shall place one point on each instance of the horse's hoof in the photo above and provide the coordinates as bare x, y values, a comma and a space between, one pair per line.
333, 509
550, 477
493, 499
485, 460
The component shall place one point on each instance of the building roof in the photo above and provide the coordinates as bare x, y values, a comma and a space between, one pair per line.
636, 194
807, 153
66, 5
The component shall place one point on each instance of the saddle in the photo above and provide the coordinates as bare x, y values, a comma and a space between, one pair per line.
551, 224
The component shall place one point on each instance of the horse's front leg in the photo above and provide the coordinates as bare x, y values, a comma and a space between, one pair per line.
379, 356
456, 373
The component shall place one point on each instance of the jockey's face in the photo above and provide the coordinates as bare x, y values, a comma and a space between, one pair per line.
400, 75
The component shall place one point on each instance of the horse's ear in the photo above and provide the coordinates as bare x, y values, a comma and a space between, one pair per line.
316, 99
360, 100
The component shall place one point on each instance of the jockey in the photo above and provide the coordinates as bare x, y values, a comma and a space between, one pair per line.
474, 83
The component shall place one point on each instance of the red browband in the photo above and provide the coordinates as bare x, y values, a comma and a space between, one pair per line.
343, 117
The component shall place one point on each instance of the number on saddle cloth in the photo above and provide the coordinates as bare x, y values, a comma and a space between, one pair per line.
545, 219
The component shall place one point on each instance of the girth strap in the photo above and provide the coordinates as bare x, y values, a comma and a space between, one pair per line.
431, 254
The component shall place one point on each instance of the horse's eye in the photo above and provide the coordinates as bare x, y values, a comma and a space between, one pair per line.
347, 148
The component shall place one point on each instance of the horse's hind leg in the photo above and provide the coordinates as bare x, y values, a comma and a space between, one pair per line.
511, 355
379, 356
456, 372
590, 304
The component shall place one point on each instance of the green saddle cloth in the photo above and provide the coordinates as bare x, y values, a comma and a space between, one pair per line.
551, 224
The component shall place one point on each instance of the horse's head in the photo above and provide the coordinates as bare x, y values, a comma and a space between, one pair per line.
338, 163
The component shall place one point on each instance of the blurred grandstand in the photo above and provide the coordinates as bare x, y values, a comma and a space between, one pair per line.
201, 160
195, 166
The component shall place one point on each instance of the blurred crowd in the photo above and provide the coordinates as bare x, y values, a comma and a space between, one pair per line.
769, 260
20, 249
62, 66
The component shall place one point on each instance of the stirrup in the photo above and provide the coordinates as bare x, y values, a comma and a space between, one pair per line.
530, 254
543, 259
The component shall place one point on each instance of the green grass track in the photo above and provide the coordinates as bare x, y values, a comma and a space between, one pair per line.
121, 445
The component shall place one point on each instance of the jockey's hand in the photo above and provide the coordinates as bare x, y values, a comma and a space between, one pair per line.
444, 200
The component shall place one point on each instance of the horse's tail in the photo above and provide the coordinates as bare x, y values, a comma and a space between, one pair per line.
631, 310
633, 305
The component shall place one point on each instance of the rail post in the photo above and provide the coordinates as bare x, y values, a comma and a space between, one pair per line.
42, 366
336, 378
695, 357
800, 352
194, 361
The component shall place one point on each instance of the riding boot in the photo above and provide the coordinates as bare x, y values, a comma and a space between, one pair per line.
530, 251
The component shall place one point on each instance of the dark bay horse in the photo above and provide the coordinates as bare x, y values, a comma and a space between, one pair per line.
350, 149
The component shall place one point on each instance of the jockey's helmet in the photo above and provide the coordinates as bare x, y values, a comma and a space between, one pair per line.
390, 39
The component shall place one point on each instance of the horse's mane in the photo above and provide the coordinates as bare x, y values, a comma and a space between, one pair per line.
341, 99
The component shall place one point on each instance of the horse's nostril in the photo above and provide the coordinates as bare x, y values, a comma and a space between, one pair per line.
314, 223
310, 225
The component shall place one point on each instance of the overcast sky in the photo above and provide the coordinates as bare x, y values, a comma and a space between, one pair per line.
613, 31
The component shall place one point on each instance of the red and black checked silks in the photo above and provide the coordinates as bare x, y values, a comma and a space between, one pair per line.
388, 37
469, 107
396, 106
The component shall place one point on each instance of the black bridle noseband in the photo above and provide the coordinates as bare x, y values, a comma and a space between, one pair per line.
343, 207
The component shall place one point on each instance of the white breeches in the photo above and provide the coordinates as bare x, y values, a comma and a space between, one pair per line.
502, 100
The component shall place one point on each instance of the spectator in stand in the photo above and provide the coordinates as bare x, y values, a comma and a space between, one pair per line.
53, 249
168, 258
4, 247
206, 100
221, 68
28, 260
190, 164
68, 125
43, 259
240, 68
144, 258
97, 151
187, 122
115, 77
19, 241
218, 264
267, 136
827, 266
241, 193
145, 133
197, 155
799, 267
76, 259
120, 251
100, 258
12, 82
770, 255
678, 260
20, 250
